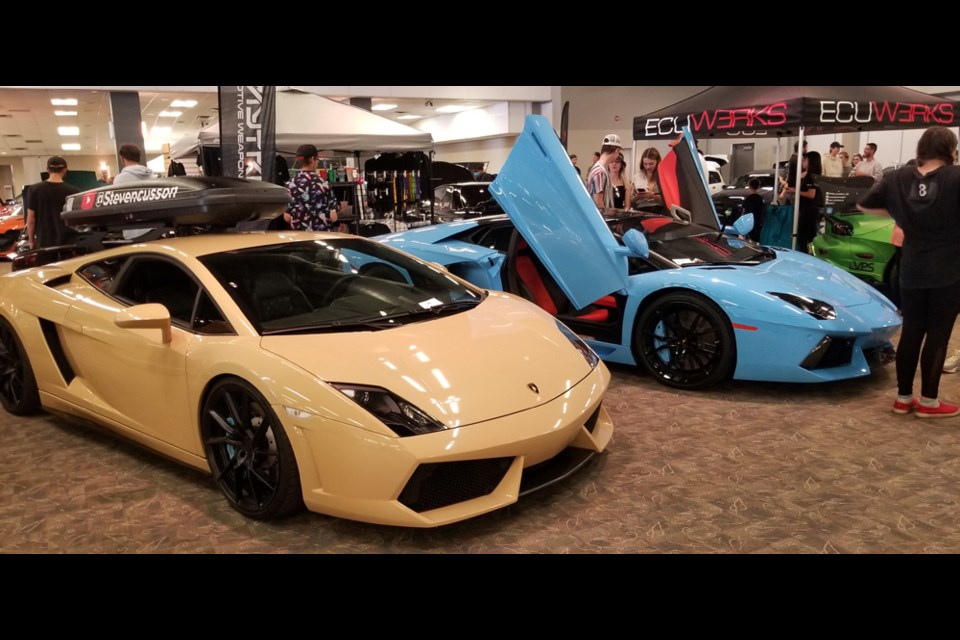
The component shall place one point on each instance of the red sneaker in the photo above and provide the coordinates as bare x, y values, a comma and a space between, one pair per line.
945, 410
903, 408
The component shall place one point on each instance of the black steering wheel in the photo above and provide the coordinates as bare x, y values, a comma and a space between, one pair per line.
339, 288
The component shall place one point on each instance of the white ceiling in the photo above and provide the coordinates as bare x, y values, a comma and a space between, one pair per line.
28, 126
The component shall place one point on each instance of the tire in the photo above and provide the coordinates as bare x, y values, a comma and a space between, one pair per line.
685, 341
18, 386
249, 453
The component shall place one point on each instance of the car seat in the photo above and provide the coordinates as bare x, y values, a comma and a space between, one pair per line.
543, 290
275, 296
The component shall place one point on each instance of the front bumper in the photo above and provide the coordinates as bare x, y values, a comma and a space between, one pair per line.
819, 351
445, 477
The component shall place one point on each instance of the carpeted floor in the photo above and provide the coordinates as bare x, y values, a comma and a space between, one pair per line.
748, 468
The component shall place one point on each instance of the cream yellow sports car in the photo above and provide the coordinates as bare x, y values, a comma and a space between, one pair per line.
312, 369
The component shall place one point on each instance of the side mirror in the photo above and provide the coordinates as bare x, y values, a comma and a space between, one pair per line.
146, 316
637, 243
742, 226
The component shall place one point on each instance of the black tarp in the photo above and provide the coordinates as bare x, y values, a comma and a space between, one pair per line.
737, 112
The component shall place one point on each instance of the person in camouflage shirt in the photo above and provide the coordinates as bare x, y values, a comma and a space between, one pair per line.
314, 205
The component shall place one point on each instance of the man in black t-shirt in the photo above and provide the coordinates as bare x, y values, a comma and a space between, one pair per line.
45, 202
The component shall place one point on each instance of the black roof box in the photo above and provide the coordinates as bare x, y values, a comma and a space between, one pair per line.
172, 202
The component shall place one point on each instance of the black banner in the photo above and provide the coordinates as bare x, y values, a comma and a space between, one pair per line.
762, 111
248, 131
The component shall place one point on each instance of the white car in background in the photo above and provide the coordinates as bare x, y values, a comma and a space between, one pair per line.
712, 164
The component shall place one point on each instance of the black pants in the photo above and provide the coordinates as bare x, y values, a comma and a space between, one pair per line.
928, 318
807, 223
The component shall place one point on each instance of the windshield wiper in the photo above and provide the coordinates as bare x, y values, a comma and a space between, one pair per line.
377, 324
449, 307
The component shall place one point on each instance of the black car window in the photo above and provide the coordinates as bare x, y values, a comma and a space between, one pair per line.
103, 273
491, 236
152, 280
208, 318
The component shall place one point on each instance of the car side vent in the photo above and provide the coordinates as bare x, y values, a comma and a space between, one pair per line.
56, 350
57, 282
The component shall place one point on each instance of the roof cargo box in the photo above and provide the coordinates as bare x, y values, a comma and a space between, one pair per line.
173, 202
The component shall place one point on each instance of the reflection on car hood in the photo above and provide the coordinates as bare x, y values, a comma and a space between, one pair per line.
805, 275
461, 369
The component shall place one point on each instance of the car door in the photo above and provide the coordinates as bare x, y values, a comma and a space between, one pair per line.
554, 213
131, 375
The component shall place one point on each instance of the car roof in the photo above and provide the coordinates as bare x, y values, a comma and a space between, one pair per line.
201, 245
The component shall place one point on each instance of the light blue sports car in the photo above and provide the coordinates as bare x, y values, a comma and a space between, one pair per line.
669, 290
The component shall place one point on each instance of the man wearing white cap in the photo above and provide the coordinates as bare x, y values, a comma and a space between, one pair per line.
599, 184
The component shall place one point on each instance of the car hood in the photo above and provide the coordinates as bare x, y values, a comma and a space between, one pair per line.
740, 194
868, 226
461, 369
798, 274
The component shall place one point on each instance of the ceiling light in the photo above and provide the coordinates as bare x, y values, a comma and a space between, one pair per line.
161, 132
152, 145
68, 131
64, 102
186, 104
409, 116
64, 113
170, 114
384, 107
72, 146
454, 108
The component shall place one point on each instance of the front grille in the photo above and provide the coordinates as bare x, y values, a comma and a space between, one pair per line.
434, 486
831, 352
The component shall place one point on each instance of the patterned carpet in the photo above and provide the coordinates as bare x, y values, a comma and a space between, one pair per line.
749, 468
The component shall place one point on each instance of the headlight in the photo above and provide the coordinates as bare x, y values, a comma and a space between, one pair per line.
817, 308
578, 344
841, 228
403, 418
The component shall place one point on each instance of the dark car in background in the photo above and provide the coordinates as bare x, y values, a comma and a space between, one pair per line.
463, 201
729, 201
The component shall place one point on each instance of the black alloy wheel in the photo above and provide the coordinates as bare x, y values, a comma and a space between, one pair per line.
686, 341
249, 453
18, 387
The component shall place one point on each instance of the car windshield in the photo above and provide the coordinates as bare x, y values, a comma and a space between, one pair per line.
345, 284
686, 244
766, 181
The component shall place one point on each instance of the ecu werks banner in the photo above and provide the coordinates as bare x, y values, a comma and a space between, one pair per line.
248, 117
761, 111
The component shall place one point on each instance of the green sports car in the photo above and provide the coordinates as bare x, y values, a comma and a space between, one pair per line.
859, 243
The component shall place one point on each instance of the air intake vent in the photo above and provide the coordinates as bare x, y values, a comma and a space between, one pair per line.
4, 115
34, 141
11, 135
438, 485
